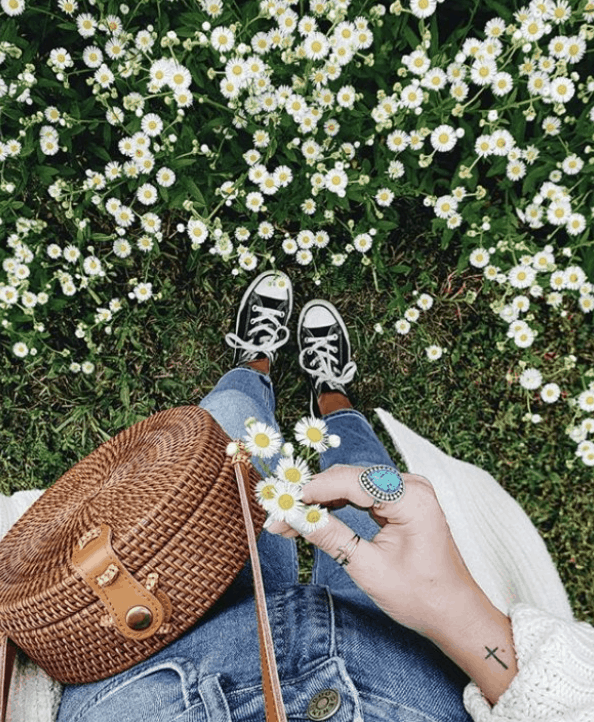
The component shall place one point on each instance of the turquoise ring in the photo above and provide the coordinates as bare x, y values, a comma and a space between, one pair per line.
382, 483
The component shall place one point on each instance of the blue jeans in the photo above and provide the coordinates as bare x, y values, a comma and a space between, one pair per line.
327, 634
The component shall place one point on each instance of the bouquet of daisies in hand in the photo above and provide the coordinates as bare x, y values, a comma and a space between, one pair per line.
280, 492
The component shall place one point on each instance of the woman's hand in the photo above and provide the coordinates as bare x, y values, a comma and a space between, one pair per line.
412, 569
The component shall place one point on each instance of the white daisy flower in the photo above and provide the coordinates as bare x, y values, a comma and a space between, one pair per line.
576, 49
142, 292
254, 201
384, 197
521, 276
147, 194
336, 180
423, 8
346, 96
363, 242
412, 314
197, 231
92, 266
502, 141
311, 432
502, 84
304, 257
576, 224
222, 39
586, 303
587, 425
402, 326
574, 277
104, 76
479, 258
122, 248
124, 216
550, 393
411, 96
316, 46
434, 79
559, 212
266, 490
395, 170
290, 246
20, 349
293, 470
521, 304
397, 141
586, 400
417, 62
515, 170
424, 301
557, 280
483, 72
443, 138
286, 503
459, 91
310, 519
165, 177
530, 379
524, 338
151, 124
561, 90
434, 352
445, 206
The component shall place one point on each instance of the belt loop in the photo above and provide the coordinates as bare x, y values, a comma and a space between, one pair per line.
215, 703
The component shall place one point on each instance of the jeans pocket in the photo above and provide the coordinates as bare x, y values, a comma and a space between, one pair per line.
158, 691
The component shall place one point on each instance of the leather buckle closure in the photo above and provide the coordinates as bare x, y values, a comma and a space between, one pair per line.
135, 611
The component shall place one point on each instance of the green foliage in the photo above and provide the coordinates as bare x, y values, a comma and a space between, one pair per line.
91, 343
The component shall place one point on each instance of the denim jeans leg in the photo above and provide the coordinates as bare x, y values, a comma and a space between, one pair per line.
239, 394
359, 446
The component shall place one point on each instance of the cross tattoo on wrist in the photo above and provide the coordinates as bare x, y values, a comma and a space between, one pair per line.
492, 654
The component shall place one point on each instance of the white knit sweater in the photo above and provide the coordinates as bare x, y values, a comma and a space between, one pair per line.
507, 557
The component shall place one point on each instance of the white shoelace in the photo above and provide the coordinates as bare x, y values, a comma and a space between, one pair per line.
327, 359
266, 320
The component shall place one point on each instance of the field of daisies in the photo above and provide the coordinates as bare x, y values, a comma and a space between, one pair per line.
436, 156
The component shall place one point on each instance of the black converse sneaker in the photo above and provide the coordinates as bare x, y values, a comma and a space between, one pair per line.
263, 313
324, 349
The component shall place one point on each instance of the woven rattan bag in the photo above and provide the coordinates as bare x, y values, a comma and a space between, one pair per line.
128, 549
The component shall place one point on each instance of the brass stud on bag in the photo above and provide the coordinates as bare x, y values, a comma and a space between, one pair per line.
139, 618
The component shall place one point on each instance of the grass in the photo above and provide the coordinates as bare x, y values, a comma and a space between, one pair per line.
172, 353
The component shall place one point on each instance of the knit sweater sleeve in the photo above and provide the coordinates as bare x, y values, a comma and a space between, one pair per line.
555, 679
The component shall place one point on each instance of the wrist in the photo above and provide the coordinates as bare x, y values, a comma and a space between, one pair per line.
479, 639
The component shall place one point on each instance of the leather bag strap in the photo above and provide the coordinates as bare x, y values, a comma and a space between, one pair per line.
8, 652
273, 700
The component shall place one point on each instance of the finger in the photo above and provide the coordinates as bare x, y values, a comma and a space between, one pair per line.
337, 485
281, 528
341, 543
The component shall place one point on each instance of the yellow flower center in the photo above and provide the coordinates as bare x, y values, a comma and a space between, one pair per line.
286, 501
316, 46
314, 435
262, 440
313, 516
293, 475
268, 491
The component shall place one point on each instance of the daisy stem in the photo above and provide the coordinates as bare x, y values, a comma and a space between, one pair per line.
204, 99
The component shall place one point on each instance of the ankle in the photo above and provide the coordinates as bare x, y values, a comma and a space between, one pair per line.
330, 401
261, 364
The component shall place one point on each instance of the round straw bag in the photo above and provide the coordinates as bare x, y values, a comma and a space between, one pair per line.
127, 550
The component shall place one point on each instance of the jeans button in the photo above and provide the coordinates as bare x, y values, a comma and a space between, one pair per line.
324, 704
